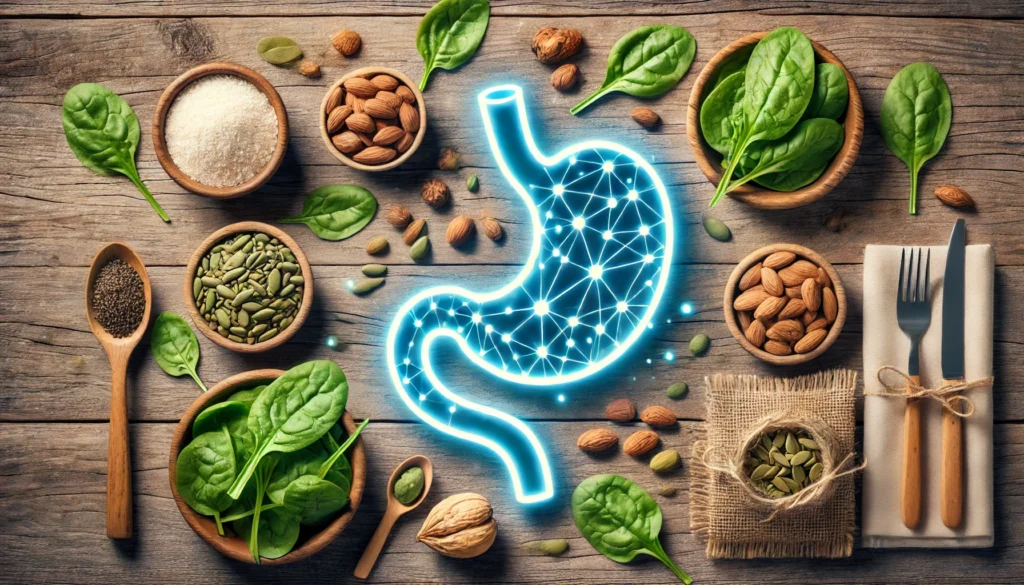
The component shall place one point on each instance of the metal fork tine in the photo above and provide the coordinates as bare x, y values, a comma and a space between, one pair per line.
927, 270
911, 279
917, 290
899, 293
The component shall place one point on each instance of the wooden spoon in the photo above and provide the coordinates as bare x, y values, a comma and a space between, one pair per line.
394, 511
119, 466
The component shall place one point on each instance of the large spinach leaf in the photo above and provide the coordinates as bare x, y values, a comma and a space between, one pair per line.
294, 411
205, 469
234, 416
247, 397
450, 33
916, 114
646, 62
793, 158
620, 520
276, 536
175, 347
720, 111
305, 461
336, 212
737, 61
313, 499
103, 132
778, 83
831, 93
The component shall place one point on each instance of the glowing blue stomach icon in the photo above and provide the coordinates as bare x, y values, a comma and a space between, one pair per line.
598, 265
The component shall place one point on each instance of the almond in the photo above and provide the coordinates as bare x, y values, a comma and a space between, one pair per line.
404, 142
377, 245
374, 155
407, 95
749, 300
399, 216
357, 104
788, 330
388, 135
793, 292
379, 109
755, 333
392, 99
360, 123
460, 230
337, 118
347, 42
621, 410
810, 292
779, 260
409, 117
385, 82
953, 196
777, 347
829, 305
745, 319
347, 142
309, 69
820, 323
565, 77
365, 138
333, 99
596, 440
793, 309
810, 341
492, 229
360, 87
769, 308
646, 117
412, 232
751, 277
791, 277
808, 317
823, 278
658, 416
639, 443
772, 283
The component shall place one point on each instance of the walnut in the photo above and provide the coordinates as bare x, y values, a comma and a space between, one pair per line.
399, 216
309, 69
435, 193
553, 45
449, 160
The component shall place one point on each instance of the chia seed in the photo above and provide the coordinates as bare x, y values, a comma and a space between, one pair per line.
119, 298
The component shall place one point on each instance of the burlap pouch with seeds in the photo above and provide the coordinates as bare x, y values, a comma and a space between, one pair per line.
730, 516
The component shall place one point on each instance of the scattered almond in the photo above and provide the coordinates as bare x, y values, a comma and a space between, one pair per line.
413, 231
597, 440
309, 69
435, 193
565, 77
621, 410
810, 341
460, 231
640, 442
751, 278
658, 416
448, 160
347, 42
645, 117
492, 229
953, 196
553, 45
399, 216
377, 245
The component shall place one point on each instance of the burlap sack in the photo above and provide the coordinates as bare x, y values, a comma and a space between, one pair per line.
727, 514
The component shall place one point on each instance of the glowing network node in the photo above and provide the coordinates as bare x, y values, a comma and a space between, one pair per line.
686, 308
669, 356
644, 230
532, 311
331, 341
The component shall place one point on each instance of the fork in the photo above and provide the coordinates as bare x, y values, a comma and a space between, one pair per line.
914, 315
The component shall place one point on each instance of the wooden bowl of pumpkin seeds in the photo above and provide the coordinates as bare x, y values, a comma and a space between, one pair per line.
248, 287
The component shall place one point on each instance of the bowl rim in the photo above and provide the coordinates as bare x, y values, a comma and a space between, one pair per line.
163, 107
206, 528
420, 105
211, 241
756, 196
730, 295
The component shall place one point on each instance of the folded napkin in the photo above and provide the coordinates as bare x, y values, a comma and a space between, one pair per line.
886, 345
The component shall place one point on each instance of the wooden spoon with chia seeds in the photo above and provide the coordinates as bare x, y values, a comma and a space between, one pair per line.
119, 349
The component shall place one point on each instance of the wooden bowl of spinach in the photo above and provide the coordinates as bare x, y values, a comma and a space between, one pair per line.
790, 109
307, 478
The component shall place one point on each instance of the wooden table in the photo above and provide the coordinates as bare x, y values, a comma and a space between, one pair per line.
54, 379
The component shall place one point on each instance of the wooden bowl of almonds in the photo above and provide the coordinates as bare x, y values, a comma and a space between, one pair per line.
785, 304
373, 119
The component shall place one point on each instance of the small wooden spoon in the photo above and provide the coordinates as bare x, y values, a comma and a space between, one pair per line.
394, 511
119, 465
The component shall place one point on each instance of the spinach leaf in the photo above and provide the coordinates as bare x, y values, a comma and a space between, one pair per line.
916, 113
737, 61
313, 499
778, 83
719, 112
247, 397
336, 212
277, 534
646, 62
294, 411
620, 520
329, 464
205, 469
807, 148
232, 415
831, 93
278, 50
175, 347
305, 461
450, 33
103, 132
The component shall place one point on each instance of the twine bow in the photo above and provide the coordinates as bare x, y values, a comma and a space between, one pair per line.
948, 396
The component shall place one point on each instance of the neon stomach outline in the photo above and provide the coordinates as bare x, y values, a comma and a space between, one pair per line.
484, 325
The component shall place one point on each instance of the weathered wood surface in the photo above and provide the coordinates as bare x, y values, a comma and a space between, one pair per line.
52, 507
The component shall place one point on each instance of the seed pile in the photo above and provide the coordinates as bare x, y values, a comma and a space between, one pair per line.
783, 463
249, 287
119, 298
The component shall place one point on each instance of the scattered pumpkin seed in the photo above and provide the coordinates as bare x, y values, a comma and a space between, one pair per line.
699, 344
366, 285
375, 270
419, 248
678, 390
717, 229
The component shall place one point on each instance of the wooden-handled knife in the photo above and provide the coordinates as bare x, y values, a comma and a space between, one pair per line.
951, 490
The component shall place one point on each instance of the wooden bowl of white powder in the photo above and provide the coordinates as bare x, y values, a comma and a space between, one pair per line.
220, 130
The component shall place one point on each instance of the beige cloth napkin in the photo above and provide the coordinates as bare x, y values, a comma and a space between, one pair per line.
885, 344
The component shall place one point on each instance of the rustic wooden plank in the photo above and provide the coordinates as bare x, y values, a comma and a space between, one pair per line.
54, 486
53, 369
888, 8
56, 212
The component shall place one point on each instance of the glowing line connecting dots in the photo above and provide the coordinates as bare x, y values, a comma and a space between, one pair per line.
598, 265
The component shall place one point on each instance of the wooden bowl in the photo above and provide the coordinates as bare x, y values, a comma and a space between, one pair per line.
368, 72
213, 240
734, 326
232, 546
160, 118
709, 160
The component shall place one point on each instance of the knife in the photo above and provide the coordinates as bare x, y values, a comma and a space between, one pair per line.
951, 490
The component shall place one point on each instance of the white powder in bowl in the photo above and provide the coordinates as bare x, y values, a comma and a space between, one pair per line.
221, 130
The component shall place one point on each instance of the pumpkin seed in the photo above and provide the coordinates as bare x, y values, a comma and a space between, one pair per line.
761, 471
419, 248
241, 297
800, 458
211, 282
366, 285
263, 314
677, 390
780, 459
267, 334
717, 230
751, 462
375, 270
798, 473
779, 440
783, 472
289, 266
274, 282
287, 290
223, 319
225, 292
791, 445
197, 288
259, 329
762, 454
297, 280
815, 473
809, 444
794, 487
780, 483
699, 344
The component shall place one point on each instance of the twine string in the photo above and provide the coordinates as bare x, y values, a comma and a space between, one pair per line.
948, 396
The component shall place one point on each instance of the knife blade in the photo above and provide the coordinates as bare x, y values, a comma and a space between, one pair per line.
951, 486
